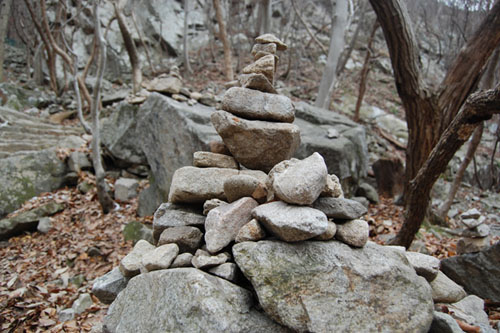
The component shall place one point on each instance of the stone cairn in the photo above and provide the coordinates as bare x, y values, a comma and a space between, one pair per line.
474, 232
274, 196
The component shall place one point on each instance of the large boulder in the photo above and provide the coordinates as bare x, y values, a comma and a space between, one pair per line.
328, 286
478, 273
185, 300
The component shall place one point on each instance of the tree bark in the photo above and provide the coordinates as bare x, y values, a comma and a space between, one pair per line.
4, 19
131, 50
328, 80
102, 193
264, 17
478, 107
228, 56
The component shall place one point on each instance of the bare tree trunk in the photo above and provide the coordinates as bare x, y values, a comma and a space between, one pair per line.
264, 17
228, 56
304, 23
102, 193
328, 80
131, 50
187, 65
4, 19
364, 73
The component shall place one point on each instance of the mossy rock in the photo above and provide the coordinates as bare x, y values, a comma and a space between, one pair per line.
136, 231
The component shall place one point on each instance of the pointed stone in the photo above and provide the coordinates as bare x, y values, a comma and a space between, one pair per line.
131, 264
256, 82
340, 208
270, 38
252, 231
265, 65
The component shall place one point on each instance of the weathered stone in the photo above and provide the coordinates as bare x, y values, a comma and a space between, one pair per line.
173, 215
224, 222
211, 204
470, 310
300, 182
257, 82
368, 191
265, 65
131, 264
291, 223
149, 200
269, 48
478, 273
205, 159
28, 220
108, 286
480, 231
66, 315
332, 187
161, 257
252, 231
82, 303
256, 105
270, 38
136, 231
228, 271
182, 260
203, 259
126, 189
325, 286
472, 213
472, 245
170, 85
444, 323
330, 232
208, 99
44, 225
256, 144
187, 238
196, 185
362, 200
151, 302
354, 232
78, 161
444, 290
340, 208
424, 265
219, 147
473, 222
240, 186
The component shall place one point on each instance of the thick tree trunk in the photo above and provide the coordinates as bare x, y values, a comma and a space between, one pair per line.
102, 193
328, 80
228, 56
131, 50
4, 19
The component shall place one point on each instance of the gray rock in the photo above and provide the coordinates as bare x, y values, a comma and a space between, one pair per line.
108, 286
340, 208
472, 213
473, 222
354, 232
66, 315
205, 159
136, 231
271, 39
317, 286
211, 204
161, 257
131, 264
182, 260
472, 245
44, 225
78, 161
256, 144
170, 85
256, 81
151, 302
444, 323
256, 105
240, 186
196, 185
83, 302
332, 187
471, 310
149, 200
265, 65
187, 238
203, 259
170, 215
480, 231
291, 223
299, 182
224, 222
444, 290
330, 232
368, 191
252, 231
228, 271
28, 220
424, 265
362, 200
126, 189
478, 273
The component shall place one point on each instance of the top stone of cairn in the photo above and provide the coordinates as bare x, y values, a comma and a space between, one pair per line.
270, 38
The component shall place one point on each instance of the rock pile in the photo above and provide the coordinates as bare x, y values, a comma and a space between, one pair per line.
475, 233
303, 246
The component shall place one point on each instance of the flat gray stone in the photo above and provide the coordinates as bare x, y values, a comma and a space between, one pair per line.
299, 182
425, 265
472, 213
187, 238
228, 271
291, 223
203, 259
224, 222
182, 260
131, 264
151, 303
256, 144
270, 38
206, 159
126, 189
174, 215
256, 105
444, 290
328, 286
108, 286
353, 232
471, 310
160, 258
340, 208
444, 323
